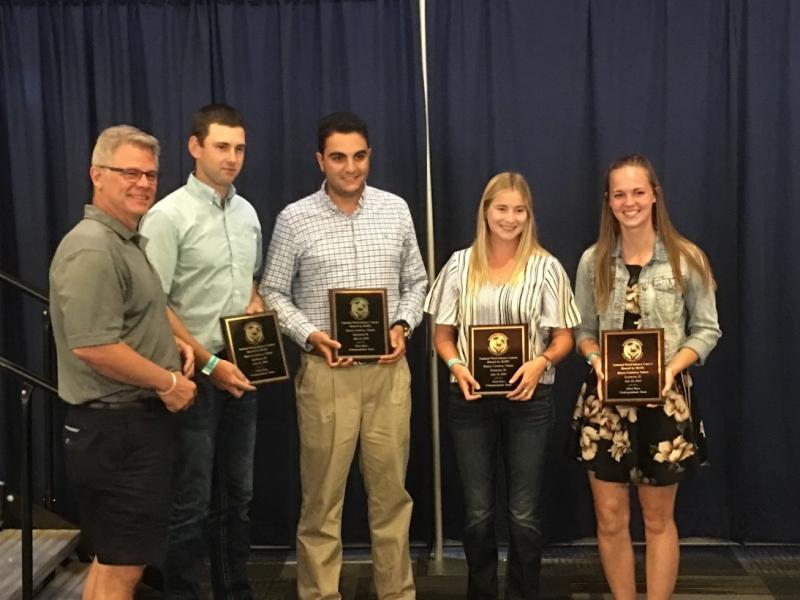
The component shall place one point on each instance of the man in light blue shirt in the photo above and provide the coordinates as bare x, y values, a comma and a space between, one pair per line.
205, 244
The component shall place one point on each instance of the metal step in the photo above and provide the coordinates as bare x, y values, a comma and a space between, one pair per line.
67, 583
50, 548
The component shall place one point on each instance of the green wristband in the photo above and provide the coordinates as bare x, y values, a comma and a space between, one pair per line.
210, 365
453, 362
590, 356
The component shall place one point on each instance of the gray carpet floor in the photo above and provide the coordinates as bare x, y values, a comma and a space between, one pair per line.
574, 572
568, 572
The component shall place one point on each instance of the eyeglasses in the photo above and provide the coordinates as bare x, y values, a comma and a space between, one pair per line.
133, 175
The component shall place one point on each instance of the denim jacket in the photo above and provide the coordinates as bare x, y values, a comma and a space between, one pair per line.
689, 319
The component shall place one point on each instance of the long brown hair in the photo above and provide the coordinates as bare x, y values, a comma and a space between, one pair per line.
528, 241
675, 244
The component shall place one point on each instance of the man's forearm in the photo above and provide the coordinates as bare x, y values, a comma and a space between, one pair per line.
254, 295
201, 355
412, 299
122, 363
292, 320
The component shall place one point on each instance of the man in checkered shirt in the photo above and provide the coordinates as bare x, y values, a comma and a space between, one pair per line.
348, 235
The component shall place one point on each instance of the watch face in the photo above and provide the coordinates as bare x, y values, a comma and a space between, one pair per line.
406, 327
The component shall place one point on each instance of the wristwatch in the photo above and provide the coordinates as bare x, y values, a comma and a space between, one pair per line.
404, 324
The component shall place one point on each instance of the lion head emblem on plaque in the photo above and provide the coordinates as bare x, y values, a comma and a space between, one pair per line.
498, 343
253, 333
359, 308
632, 350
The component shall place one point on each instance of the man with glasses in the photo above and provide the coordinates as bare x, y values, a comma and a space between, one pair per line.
119, 369
205, 243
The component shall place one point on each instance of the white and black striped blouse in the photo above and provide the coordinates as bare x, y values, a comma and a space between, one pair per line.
542, 299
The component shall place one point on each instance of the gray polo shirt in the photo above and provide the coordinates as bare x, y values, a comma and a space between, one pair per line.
103, 291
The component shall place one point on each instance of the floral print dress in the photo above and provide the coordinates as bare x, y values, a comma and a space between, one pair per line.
654, 445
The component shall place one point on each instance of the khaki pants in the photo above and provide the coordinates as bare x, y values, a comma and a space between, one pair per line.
336, 409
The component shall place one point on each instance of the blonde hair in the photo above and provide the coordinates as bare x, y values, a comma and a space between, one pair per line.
112, 138
528, 241
676, 245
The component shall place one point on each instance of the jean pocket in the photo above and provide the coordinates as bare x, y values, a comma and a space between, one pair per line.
315, 396
401, 386
537, 410
76, 438
300, 376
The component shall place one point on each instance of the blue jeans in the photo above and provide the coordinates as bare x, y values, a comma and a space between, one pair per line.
213, 489
520, 432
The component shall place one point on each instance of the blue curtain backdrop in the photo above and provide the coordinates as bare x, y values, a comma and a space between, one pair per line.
708, 90
70, 69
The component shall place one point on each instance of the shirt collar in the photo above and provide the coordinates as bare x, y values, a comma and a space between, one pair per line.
659, 251
90, 211
327, 202
205, 192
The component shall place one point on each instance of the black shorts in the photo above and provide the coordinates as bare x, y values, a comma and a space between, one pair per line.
119, 462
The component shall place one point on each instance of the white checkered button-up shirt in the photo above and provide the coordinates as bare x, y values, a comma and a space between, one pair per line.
316, 247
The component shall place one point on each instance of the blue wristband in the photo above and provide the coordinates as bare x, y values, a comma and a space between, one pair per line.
210, 365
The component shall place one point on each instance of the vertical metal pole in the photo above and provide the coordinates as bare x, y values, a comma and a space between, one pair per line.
48, 408
26, 501
438, 544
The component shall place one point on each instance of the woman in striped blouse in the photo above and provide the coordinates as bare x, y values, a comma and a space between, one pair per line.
507, 278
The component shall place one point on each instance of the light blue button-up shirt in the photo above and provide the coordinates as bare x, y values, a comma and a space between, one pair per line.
206, 250
688, 316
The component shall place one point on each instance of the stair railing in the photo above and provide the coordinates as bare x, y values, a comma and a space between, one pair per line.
29, 382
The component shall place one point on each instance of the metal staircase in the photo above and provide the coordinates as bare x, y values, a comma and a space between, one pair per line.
34, 541
51, 548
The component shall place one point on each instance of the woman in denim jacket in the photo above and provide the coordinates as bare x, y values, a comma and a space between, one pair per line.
641, 273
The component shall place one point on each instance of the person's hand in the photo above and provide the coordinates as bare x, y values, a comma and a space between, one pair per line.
182, 394
669, 379
256, 306
227, 376
187, 354
597, 365
528, 376
397, 340
466, 382
326, 346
